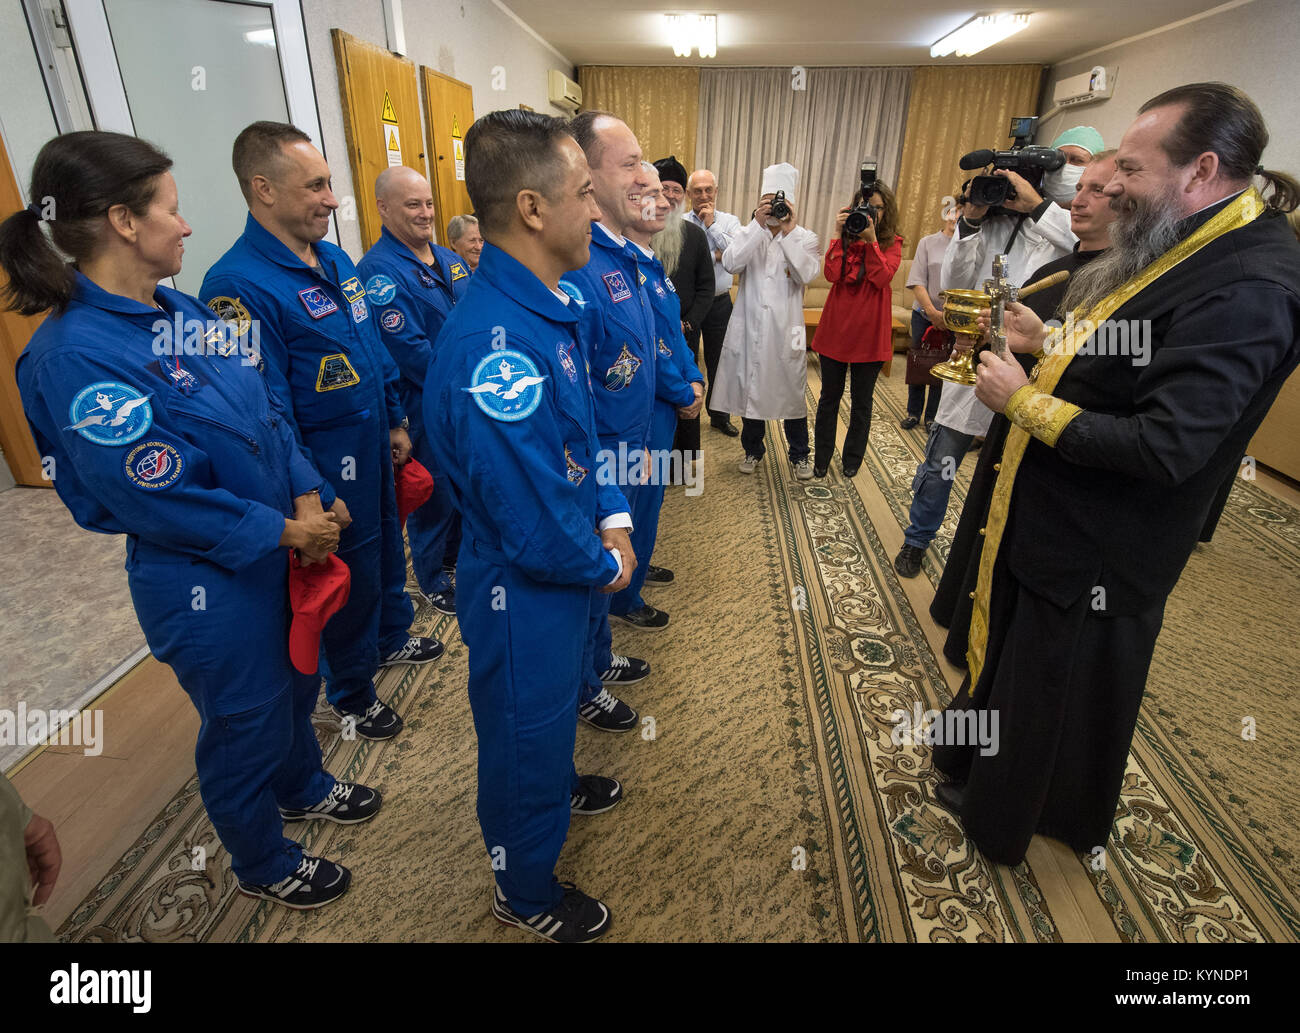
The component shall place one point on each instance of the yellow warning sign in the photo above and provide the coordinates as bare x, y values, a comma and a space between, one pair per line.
455, 126
388, 114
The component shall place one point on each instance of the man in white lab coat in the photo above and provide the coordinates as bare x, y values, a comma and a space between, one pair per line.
762, 372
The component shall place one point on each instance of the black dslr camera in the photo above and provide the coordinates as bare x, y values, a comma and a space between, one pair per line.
1029, 161
865, 212
780, 207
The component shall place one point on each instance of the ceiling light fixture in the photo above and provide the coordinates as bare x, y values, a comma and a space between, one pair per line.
979, 33
693, 31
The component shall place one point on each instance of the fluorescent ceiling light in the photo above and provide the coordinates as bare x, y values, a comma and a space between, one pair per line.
979, 34
693, 31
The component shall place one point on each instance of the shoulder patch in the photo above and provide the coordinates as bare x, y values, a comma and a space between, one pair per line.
457, 272
507, 386
575, 472
317, 303
392, 320
352, 289
110, 413
619, 375
572, 291
663, 348
335, 372
382, 289
359, 311
153, 465
669, 284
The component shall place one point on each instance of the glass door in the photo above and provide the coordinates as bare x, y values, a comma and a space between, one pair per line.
188, 75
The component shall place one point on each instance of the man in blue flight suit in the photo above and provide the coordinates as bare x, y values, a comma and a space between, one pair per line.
679, 384
412, 285
621, 352
300, 297
509, 412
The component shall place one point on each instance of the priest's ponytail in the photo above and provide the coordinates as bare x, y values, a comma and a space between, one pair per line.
1284, 190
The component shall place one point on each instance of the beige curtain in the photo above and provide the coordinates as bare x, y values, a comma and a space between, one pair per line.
952, 111
660, 105
824, 126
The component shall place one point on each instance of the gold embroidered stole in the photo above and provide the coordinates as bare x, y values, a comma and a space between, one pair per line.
1061, 348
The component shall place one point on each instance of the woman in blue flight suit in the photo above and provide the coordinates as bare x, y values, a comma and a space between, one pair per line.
152, 425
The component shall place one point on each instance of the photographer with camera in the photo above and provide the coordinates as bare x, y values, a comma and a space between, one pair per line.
857, 319
763, 369
998, 218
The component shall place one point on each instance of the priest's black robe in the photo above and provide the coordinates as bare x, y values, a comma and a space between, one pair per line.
1111, 515
952, 599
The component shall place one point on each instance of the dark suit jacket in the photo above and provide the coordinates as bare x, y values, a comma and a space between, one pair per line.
693, 277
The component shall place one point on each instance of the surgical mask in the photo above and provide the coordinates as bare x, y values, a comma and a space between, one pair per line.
1059, 186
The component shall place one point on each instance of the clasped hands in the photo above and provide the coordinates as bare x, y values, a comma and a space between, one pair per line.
313, 530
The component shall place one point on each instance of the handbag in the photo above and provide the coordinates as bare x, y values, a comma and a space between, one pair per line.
934, 347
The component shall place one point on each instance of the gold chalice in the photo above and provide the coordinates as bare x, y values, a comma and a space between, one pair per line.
961, 311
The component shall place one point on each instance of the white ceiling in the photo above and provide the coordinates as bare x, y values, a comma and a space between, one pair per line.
838, 32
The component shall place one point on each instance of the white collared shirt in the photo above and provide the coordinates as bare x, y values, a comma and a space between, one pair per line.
724, 229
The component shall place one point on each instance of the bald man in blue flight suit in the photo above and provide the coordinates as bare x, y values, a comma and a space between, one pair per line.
302, 300
412, 284
509, 412
622, 352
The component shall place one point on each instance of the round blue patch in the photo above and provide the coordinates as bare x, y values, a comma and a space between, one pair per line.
381, 289
507, 385
153, 465
110, 413
572, 292
392, 320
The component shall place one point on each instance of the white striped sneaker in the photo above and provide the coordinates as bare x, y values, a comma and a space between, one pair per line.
577, 918
314, 883
608, 713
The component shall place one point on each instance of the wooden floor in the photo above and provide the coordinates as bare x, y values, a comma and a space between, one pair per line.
100, 805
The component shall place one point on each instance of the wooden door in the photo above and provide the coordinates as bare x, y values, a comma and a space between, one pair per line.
448, 114
381, 119
15, 330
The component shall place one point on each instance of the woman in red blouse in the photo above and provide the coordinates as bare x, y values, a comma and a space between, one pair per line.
856, 324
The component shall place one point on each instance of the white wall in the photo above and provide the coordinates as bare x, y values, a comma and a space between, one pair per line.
466, 39
1252, 46
25, 117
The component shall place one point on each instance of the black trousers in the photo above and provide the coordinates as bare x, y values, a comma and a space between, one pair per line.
796, 438
862, 386
714, 330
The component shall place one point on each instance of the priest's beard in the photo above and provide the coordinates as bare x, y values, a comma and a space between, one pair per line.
667, 243
1141, 233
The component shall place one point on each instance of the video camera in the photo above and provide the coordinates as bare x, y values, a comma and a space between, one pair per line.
865, 212
1024, 158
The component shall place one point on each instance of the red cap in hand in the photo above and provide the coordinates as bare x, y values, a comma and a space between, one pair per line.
316, 593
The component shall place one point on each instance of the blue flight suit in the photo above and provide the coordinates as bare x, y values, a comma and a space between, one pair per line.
511, 422
675, 370
324, 361
621, 353
192, 458
411, 300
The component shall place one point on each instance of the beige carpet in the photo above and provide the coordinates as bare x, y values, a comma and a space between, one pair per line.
771, 802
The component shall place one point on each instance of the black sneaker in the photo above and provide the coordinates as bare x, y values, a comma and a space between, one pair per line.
596, 794
646, 618
416, 651
349, 803
624, 670
379, 722
444, 601
908, 422
608, 713
577, 918
820, 471
908, 561
658, 575
315, 883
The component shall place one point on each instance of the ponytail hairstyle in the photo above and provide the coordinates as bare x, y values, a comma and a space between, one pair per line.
76, 179
886, 224
1221, 118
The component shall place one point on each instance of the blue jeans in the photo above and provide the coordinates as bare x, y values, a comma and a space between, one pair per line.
944, 450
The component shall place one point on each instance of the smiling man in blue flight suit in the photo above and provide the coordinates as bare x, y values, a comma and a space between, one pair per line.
509, 411
302, 300
621, 351
412, 285
679, 384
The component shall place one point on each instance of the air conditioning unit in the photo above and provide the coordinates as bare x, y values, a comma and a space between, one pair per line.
564, 92
1094, 85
